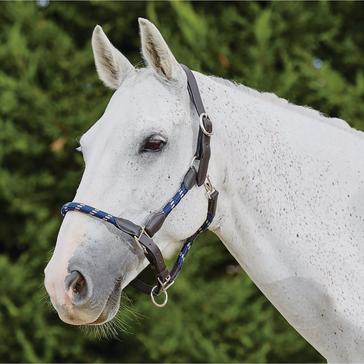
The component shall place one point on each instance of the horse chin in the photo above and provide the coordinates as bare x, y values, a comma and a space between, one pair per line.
111, 307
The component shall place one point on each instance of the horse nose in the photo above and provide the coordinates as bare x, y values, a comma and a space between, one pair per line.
78, 288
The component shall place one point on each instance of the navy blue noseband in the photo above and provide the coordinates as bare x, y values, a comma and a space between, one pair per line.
196, 175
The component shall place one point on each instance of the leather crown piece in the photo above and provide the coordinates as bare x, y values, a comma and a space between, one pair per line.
143, 235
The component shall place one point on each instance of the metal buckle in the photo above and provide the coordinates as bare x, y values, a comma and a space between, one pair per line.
210, 189
168, 283
202, 126
137, 238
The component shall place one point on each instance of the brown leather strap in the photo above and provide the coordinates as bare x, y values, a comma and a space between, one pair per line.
154, 255
154, 222
156, 219
203, 151
194, 91
128, 227
204, 159
141, 286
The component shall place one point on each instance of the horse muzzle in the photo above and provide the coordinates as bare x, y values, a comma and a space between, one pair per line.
76, 304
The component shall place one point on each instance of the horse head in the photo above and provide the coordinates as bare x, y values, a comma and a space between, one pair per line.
135, 157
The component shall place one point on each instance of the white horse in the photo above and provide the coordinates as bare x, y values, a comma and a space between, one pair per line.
291, 206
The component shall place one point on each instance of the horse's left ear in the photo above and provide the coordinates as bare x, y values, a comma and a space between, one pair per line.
111, 65
157, 53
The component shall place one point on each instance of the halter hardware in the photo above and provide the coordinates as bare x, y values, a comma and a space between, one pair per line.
210, 189
202, 124
143, 235
137, 239
152, 297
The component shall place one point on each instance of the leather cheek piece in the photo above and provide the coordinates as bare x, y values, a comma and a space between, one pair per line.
155, 257
204, 159
203, 151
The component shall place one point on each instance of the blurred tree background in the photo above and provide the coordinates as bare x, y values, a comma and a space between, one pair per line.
308, 52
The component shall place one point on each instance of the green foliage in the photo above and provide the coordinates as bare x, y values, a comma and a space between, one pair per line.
309, 53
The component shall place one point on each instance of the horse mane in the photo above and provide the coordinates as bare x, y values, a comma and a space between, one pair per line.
303, 110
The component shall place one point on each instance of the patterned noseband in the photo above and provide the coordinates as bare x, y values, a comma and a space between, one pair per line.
196, 175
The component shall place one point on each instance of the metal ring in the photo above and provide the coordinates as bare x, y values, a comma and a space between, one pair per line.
153, 299
202, 126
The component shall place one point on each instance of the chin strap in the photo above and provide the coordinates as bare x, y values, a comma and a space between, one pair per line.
143, 235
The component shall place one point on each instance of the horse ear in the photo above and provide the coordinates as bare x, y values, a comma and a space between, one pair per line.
156, 51
112, 67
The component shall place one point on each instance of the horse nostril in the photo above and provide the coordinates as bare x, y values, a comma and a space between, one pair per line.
76, 282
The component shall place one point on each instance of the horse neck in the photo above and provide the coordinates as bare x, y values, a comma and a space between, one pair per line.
240, 141
255, 163
291, 209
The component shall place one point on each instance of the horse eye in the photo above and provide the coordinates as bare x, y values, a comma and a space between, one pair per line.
154, 143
